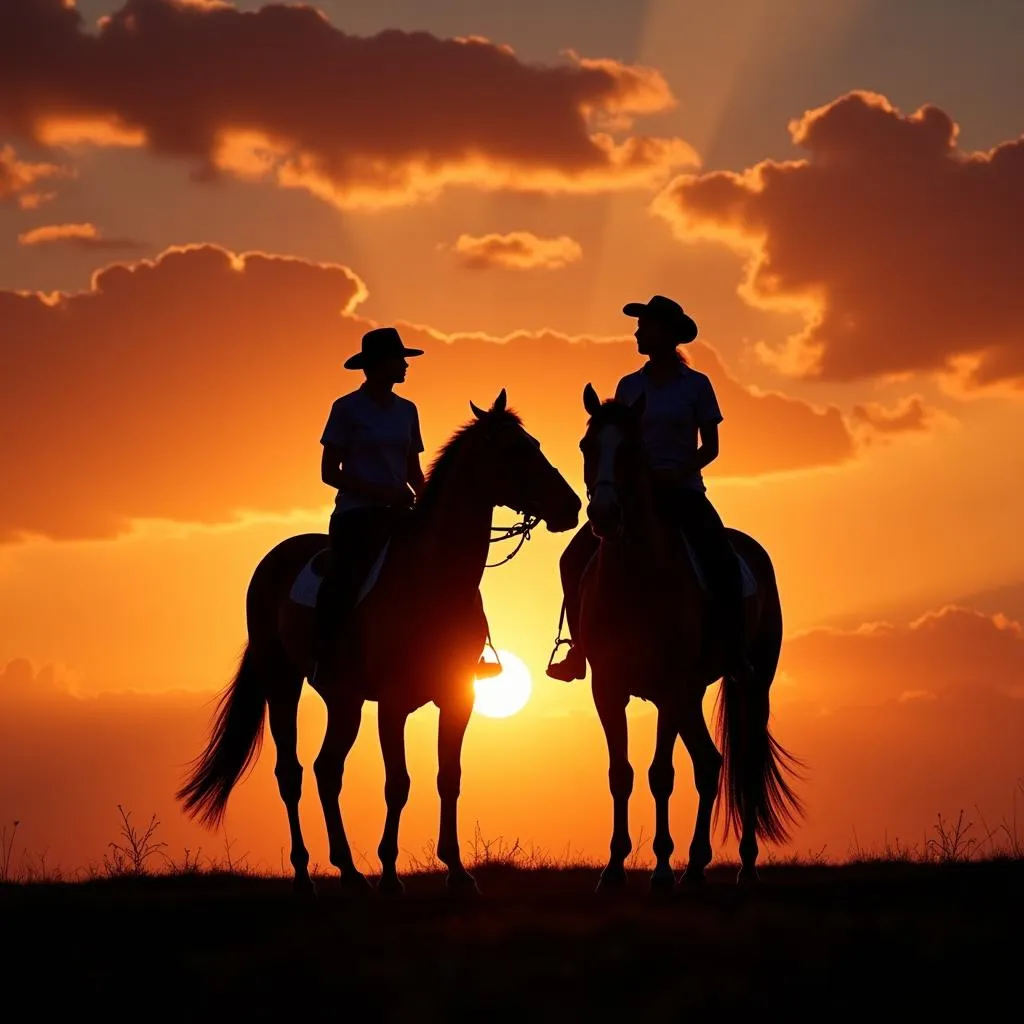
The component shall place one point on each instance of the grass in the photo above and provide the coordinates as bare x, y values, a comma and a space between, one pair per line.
906, 929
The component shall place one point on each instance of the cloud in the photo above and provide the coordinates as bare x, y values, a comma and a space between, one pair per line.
518, 250
280, 94
18, 179
900, 723
194, 386
902, 250
20, 682
78, 236
910, 415
949, 653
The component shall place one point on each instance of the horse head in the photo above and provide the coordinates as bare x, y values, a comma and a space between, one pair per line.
612, 459
515, 473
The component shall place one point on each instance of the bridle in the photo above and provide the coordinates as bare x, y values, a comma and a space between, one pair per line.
522, 530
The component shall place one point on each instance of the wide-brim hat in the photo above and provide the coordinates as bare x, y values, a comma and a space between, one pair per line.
380, 343
668, 313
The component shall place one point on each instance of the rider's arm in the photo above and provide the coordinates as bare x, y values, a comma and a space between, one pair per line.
708, 450
708, 416
415, 473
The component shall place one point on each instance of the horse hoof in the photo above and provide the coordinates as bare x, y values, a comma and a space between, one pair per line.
354, 883
462, 884
747, 876
303, 887
390, 885
612, 880
692, 878
663, 880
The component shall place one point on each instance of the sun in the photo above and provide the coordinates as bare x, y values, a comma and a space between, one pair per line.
506, 693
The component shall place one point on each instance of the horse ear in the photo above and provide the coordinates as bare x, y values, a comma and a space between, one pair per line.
639, 403
500, 402
477, 412
590, 400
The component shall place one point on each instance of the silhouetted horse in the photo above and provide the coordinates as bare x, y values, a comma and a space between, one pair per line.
645, 625
418, 632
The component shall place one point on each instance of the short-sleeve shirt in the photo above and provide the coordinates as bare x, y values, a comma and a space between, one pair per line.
376, 442
673, 412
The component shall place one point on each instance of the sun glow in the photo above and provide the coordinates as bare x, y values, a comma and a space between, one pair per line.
506, 693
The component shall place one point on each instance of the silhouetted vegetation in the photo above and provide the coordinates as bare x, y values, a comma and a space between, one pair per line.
830, 940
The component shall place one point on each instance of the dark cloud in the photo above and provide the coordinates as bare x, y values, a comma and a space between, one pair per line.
901, 723
281, 94
949, 653
903, 251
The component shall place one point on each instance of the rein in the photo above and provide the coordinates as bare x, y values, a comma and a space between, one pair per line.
522, 530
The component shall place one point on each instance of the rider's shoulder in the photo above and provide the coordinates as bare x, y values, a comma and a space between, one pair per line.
694, 376
406, 404
631, 383
347, 399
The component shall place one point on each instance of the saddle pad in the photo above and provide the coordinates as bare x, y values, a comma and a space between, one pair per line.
307, 584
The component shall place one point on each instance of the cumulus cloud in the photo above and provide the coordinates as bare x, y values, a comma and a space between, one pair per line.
902, 250
20, 180
280, 94
517, 250
900, 723
194, 387
911, 414
952, 652
78, 236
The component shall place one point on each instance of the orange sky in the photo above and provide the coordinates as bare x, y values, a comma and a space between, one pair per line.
203, 207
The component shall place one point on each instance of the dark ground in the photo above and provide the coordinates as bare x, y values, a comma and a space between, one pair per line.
827, 942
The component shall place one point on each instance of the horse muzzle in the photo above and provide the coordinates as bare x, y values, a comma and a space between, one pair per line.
605, 519
566, 516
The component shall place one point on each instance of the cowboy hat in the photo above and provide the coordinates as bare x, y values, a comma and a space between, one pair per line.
668, 313
380, 343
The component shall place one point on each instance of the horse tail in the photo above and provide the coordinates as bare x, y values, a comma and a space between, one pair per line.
234, 743
757, 772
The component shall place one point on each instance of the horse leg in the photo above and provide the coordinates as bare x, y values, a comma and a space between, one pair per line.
343, 718
452, 723
283, 713
661, 777
611, 709
707, 766
391, 729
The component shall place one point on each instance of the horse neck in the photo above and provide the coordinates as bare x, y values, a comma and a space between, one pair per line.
644, 529
644, 547
454, 538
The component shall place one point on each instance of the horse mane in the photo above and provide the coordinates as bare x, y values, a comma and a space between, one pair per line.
448, 457
613, 412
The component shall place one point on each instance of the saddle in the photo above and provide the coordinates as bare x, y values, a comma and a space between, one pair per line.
748, 580
308, 583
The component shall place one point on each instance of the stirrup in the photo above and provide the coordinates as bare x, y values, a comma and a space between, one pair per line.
487, 669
